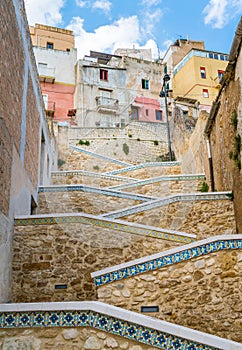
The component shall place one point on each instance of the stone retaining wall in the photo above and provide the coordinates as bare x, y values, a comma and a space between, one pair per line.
203, 218
49, 255
203, 293
79, 201
65, 339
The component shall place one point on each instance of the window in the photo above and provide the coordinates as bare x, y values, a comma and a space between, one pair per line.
146, 112
145, 84
205, 93
220, 74
158, 115
134, 113
203, 72
222, 57
104, 74
215, 56
49, 45
210, 55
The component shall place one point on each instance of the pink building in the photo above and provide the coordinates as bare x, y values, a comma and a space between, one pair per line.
147, 109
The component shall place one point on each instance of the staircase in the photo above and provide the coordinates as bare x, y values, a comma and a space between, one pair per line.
126, 257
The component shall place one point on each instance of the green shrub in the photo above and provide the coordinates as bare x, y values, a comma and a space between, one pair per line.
96, 167
126, 148
156, 143
234, 119
60, 162
129, 135
138, 139
81, 142
204, 187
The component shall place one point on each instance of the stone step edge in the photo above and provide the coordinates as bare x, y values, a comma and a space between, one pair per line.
118, 225
159, 202
92, 174
151, 180
93, 189
167, 257
143, 165
97, 155
102, 310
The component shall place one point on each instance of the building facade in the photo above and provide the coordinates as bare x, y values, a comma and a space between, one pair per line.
198, 75
26, 155
51, 37
55, 57
111, 90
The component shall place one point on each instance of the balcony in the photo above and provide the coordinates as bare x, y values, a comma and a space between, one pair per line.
46, 74
107, 104
50, 109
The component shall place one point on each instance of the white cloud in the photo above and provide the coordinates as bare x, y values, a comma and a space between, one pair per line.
103, 5
150, 3
122, 33
219, 12
44, 11
81, 3
150, 21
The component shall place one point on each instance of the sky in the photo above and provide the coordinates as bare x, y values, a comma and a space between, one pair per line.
105, 25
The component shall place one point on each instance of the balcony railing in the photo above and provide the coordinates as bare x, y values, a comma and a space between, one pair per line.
107, 104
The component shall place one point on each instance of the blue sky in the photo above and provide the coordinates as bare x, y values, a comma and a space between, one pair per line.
104, 25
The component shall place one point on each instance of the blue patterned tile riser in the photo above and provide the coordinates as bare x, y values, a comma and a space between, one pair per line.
145, 335
167, 260
88, 189
112, 160
160, 179
143, 231
92, 174
165, 201
143, 165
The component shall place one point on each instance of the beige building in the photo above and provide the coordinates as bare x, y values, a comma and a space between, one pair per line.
52, 37
198, 75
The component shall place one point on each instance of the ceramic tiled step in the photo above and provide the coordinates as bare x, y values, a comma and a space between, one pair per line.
195, 285
102, 322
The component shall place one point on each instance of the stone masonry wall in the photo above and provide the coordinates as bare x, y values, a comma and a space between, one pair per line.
65, 339
22, 116
78, 201
203, 293
110, 141
49, 255
227, 174
202, 218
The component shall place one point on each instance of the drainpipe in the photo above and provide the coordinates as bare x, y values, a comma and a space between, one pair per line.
210, 161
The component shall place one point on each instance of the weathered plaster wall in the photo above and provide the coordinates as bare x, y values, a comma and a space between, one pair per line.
203, 293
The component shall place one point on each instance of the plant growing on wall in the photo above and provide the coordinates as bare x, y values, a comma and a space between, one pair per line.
126, 148
204, 187
235, 154
60, 162
81, 142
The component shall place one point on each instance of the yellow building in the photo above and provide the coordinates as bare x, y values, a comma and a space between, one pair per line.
197, 76
52, 37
